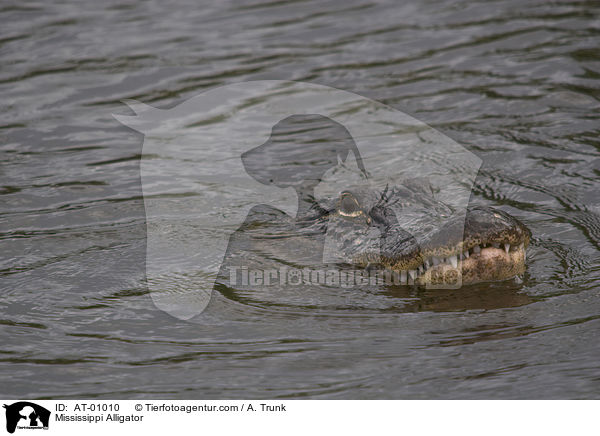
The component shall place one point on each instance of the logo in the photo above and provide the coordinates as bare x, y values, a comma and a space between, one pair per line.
256, 176
26, 415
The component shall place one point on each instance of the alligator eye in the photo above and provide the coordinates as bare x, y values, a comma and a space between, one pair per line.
348, 206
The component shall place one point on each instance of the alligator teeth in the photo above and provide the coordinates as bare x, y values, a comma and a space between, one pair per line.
435, 261
476, 249
521, 246
506, 248
495, 245
403, 277
427, 264
453, 261
412, 273
420, 269
466, 253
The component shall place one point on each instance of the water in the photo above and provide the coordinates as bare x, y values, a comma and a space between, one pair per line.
518, 85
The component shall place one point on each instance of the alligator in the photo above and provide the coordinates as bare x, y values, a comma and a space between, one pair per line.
403, 229
434, 245
430, 246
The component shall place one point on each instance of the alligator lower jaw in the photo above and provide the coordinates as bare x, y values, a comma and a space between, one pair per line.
490, 263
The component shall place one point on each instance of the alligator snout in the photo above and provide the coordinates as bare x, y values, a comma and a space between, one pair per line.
493, 247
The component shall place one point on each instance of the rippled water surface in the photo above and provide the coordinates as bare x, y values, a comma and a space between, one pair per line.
516, 83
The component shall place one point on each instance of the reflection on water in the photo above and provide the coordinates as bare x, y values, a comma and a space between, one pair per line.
515, 84
487, 296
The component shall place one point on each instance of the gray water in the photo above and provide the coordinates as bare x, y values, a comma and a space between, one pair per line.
516, 83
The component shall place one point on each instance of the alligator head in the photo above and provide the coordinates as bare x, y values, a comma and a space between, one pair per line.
405, 230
